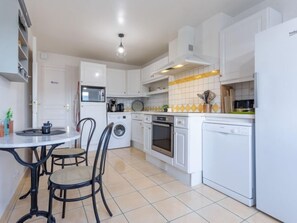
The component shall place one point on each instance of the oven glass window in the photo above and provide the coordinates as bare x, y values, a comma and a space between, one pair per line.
162, 137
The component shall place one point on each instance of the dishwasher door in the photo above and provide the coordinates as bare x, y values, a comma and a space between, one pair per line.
228, 159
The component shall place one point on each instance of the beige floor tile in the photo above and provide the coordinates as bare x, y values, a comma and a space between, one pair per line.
149, 171
147, 214
176, 187
103, 214
216, 214
210, 193
261, 218
171, 208
74, 216
130, 201
120, 189
116, 219
132, 175
190, 218
142, 183
238, 208
194, 200
161, 178
155, 193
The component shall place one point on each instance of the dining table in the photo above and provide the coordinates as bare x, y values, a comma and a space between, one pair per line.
33, 139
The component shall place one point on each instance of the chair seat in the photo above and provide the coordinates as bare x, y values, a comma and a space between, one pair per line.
68, 151
72, 175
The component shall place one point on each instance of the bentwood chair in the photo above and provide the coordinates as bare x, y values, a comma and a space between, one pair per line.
87, 127
82, 176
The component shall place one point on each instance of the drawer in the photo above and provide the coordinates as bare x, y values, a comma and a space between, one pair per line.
137, 117
181, 122
147, 118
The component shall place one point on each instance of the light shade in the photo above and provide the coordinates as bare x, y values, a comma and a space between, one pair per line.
121, 51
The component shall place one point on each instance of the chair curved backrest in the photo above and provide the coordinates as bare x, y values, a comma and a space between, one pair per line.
102, 150
87, 127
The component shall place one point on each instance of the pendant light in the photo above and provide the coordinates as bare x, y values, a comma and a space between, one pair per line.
121, 51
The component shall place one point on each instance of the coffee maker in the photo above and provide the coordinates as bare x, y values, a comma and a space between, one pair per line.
113, 105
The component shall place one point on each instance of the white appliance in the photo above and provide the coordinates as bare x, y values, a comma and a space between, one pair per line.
276, 121
93, 98
121, 132
228, 159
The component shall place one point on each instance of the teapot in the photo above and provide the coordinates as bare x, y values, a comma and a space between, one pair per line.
46, 128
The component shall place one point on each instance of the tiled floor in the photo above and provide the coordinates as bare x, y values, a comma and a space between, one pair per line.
138, 192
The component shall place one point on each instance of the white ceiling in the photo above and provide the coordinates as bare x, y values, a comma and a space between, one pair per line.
89, 28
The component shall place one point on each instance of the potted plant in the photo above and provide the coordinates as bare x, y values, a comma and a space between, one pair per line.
165, 108
9, 121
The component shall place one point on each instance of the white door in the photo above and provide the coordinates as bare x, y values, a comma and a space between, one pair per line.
147, 138
34, 98
54, 105
181, 148
93, 74
133, 82
116, 82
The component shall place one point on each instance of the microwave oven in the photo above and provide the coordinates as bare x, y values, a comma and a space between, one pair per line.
92, 94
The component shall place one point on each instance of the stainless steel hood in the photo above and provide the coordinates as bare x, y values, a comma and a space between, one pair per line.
183, 53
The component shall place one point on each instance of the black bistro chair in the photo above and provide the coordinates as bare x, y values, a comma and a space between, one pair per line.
87, 127
81, 176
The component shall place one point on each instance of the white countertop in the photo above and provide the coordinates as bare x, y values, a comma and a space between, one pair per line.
189, 114
15, 141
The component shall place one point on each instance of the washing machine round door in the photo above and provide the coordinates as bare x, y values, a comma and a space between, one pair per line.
119, 130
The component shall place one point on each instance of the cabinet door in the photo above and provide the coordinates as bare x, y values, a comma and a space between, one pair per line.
116, 82
133, 82
137, 131
147, 138
238, 44
92, 74
181, 148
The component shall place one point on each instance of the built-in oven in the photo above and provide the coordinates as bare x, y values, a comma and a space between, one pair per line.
92, 94
162, 134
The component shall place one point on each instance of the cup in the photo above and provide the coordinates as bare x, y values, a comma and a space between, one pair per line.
207, 108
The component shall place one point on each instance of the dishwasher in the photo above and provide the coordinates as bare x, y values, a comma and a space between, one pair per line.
228, 159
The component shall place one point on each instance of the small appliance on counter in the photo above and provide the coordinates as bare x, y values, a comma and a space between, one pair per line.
244, 106
120, 107
112, 105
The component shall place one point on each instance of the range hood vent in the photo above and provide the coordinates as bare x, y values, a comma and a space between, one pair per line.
183, 53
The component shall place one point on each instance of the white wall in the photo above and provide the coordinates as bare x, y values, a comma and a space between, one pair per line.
14, 95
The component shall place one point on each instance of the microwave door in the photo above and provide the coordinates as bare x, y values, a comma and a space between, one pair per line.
92, 94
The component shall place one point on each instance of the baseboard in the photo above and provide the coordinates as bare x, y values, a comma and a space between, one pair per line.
6, 214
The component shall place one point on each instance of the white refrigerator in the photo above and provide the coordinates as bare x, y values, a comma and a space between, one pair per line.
276, 121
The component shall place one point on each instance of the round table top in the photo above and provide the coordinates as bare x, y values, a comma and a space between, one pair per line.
15, 141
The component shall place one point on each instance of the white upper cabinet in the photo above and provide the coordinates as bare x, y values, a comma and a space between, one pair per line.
148, 74
92, 74
134, 87
122, 83
237, 45
116, 82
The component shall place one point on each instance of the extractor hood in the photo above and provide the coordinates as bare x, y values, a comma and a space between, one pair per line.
183, 55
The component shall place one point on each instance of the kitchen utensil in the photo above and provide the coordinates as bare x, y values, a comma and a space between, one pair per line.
201, 96
46, 128
137, 105
206, 95
113, 104
120, 107
211, 96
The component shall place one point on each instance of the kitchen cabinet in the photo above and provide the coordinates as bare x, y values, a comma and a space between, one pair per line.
116, 82
92, 74
14, 56
137, 129
237, 45
148, 74
147, 133
124, 83
188, 144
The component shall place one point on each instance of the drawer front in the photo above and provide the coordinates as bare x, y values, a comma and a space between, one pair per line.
181, 122
147, 118
137, 116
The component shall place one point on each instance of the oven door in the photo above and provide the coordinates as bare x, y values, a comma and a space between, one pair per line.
162, 138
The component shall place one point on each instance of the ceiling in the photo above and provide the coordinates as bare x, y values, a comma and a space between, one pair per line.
89, 28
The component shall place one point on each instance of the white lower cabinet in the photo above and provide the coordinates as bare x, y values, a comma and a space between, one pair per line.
137, 130
181, 149
147, 137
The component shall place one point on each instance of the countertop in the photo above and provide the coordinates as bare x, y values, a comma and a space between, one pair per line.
207, 115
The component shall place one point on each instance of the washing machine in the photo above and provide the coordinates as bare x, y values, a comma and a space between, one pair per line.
121, 132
